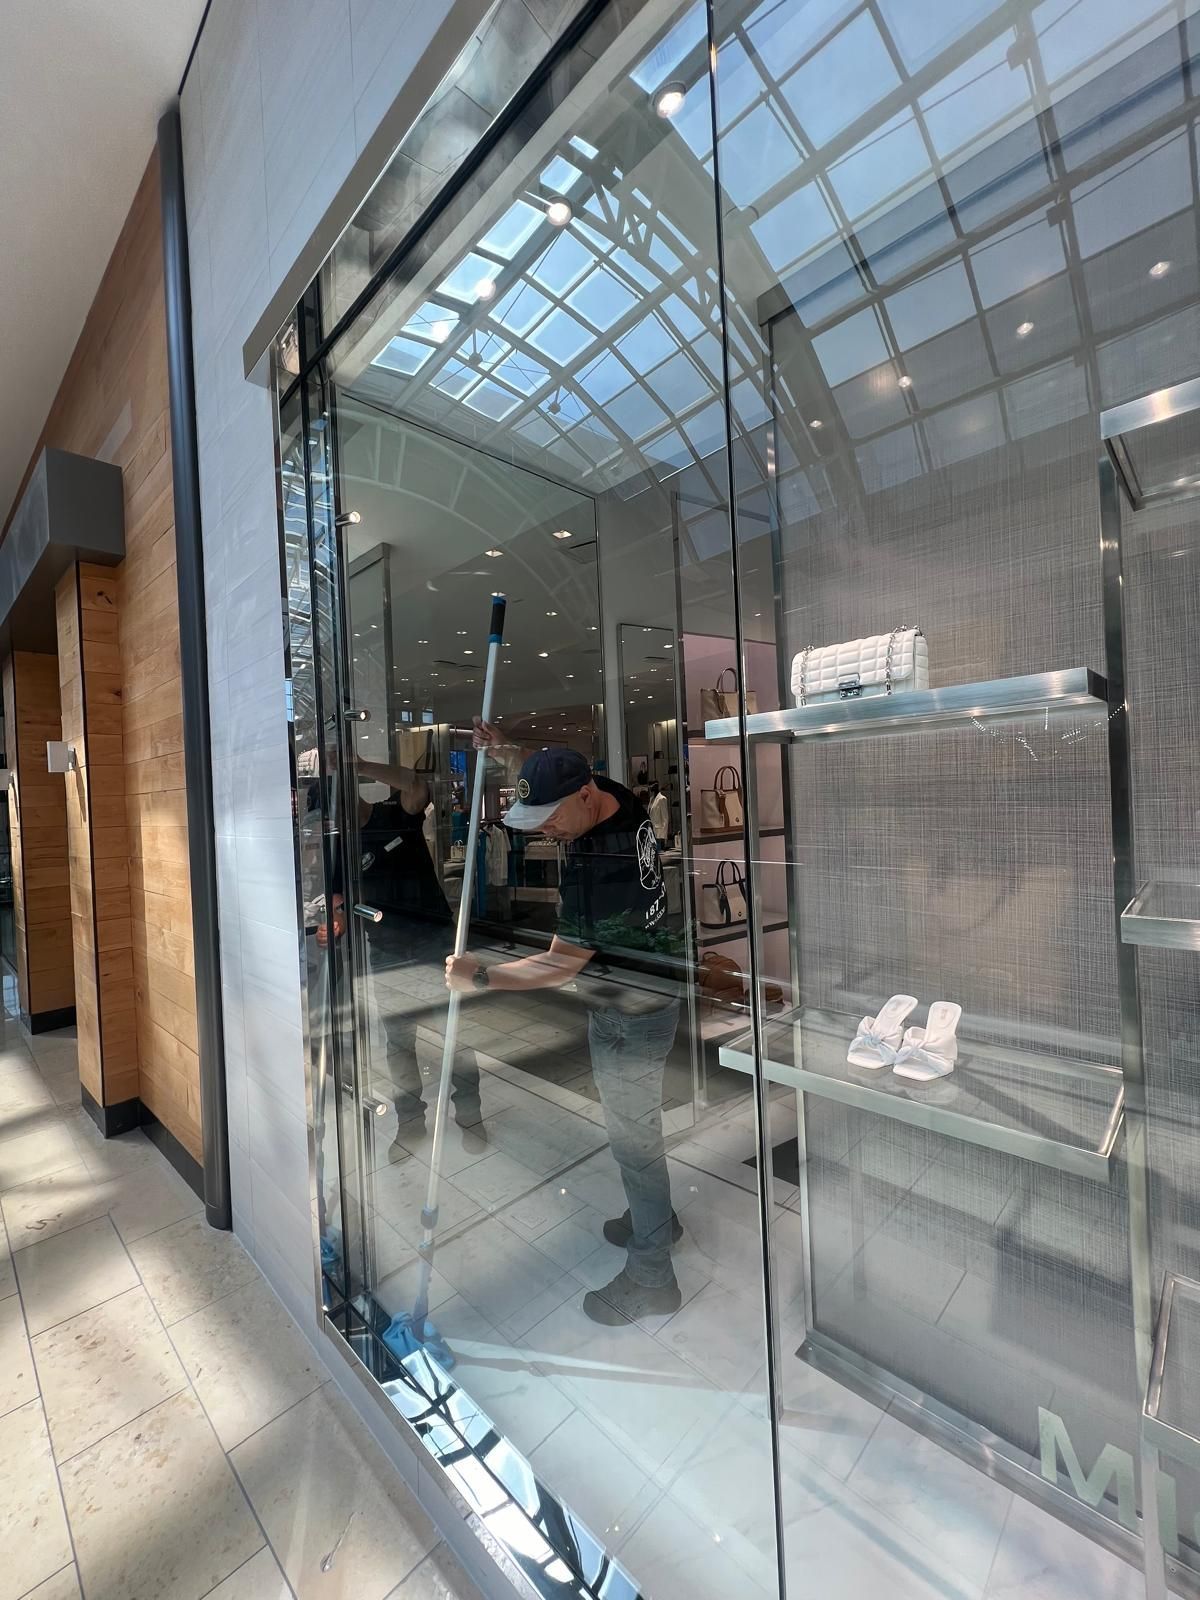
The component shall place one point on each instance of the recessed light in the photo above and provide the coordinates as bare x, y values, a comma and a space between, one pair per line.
816, 423
1160, 269
422, 641
1024, 329
440, 331
905, 382
467, 651
563, 533
670, 98
493, 553
462, 633
543, 654
552, 613
559, 213
570, 674
485, 289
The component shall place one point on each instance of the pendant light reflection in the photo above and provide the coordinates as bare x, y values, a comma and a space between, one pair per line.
485, 289
669, 99
559, 213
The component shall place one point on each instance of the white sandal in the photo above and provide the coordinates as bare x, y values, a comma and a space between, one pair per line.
931, 1052
877, 1042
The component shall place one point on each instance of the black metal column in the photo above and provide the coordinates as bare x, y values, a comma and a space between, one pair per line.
193, 657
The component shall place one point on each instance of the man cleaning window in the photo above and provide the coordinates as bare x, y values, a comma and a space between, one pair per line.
614, 945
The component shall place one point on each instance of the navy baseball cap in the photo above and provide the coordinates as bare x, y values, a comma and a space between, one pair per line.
547, 779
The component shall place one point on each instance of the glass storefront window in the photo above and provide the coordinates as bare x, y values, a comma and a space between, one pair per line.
792, 1168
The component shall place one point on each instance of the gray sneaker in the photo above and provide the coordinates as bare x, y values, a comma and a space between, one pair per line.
623, 1300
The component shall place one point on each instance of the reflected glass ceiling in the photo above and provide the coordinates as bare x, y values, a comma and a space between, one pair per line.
976, 220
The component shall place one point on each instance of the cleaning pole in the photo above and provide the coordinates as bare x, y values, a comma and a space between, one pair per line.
409, 1333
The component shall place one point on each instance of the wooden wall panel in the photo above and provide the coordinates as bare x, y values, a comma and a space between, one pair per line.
113, 402
38, 829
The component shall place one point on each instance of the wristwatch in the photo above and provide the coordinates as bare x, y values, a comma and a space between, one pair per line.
480, 978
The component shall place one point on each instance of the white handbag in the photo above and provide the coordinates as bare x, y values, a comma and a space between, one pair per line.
723, 903
887, 663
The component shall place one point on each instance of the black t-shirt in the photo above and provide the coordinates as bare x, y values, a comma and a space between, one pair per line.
397, 870
614, 899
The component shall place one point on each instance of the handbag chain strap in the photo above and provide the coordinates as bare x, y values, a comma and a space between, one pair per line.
804, 655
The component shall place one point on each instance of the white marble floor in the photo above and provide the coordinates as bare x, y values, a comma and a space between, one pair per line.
166, 1433
655, 1434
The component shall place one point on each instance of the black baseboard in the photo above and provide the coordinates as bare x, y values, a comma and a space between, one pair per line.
112, 1120
184, 1162
47, 1021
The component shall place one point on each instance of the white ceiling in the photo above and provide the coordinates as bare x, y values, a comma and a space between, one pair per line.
82, 86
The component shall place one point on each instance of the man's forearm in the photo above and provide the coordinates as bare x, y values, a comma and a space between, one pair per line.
543, 971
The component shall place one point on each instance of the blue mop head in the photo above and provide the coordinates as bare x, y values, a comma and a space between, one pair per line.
402, 1339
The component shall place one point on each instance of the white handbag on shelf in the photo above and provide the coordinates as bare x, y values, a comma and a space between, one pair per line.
886, 663
723, 903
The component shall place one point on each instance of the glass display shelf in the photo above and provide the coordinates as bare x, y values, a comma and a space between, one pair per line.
1076, 691
1064, 1114
1171, 1414
1163, 913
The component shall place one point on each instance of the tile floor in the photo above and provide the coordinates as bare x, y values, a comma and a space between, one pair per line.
166, 1433
655, 1434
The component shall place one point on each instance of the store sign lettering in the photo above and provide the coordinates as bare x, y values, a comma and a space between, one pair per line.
1112, 1470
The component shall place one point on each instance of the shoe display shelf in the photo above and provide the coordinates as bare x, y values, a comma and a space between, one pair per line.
1171, 1413
1060, 1113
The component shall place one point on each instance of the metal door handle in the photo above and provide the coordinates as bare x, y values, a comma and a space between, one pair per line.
368, 913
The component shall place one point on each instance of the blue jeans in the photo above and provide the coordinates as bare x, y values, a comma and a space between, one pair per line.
628, 1056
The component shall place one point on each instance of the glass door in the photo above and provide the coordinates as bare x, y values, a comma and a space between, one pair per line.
569, 1264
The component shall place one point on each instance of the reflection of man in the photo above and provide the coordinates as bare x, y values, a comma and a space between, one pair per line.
398, 878
660, 814
613, 905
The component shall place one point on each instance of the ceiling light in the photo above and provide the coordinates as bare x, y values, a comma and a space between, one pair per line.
559, 213
353, 518
1160, 269
816, 423
570, 674
441, 330
552, 613
670, 98
543, 654
905, 382
1024, 329
462, 633
422, 641
493, 553
485, 289
468, 651
563, 533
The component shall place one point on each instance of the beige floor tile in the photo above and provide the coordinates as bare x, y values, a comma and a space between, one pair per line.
259, 1579
109, 1158
155, 1511
50, 1205
439, 1577
341, 1521
189, 1265
63, 1585
32, 1504
149, 1197
26, 1156
103, 1368
63, 1276
247, 1359
8, 1276
18, 1381
63, 1084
